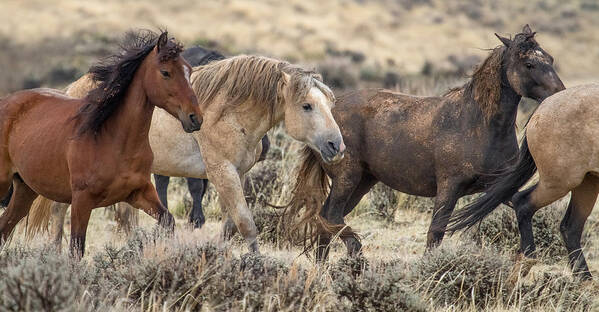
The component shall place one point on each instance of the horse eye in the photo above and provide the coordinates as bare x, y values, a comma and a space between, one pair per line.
165, 74
307, 107
528, 65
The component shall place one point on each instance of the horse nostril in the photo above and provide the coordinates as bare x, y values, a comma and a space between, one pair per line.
193, 118
333, 146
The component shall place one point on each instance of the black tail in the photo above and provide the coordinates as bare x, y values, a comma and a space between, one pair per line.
4, 202
507, 183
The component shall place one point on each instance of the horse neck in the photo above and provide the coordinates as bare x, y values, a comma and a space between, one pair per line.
503, 122
131, 123
258, 123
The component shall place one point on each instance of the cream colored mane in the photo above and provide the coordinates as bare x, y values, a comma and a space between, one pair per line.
243, 79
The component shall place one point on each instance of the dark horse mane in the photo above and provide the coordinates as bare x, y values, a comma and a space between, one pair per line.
484, 87
114, 74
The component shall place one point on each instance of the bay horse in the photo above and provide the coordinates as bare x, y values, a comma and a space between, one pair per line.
241, 98
424, 146
559, 144
95, 151
125, 215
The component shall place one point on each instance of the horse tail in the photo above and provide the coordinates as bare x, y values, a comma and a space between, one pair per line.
310, 192
39, 216
507, 183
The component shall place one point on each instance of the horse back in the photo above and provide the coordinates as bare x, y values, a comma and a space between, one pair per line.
392, 135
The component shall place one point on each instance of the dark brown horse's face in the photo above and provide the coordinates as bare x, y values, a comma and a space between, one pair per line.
168, 84
529, 68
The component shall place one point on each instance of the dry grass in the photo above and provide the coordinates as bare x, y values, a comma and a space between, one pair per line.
194, 270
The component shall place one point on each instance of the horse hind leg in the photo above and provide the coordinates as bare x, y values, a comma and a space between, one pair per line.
161, 188
126, 217
197, 189
59, 211
20, 203
527, 203
580, 207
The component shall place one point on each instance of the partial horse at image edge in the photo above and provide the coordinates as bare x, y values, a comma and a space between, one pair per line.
564, 165
72, 153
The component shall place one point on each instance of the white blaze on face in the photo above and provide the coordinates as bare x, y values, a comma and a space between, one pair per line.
187, 73
539, 56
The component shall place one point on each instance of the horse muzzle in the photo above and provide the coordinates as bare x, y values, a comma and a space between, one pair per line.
332, 151
191, 123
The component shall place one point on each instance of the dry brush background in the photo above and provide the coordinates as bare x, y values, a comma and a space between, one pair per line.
421, 47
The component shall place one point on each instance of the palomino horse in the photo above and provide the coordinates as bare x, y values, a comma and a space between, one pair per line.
242, 97
563, 153
126, 216
196, 56
425, 146
95, 151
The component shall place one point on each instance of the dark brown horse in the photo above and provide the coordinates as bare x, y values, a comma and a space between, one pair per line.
95, 152
425, 146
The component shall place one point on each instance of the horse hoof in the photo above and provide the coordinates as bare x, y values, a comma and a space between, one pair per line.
197, 224
253, 247
583, 276
354, 249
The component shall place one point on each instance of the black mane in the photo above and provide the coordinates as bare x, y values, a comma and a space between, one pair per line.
199, 55
114, 74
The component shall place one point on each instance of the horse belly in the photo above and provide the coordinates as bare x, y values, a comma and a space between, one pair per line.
403, 164
407, 178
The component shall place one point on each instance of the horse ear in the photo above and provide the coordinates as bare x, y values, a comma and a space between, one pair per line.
526, 29
507, 42
162, 41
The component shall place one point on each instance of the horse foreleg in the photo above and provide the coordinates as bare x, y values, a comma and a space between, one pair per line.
59, 211
162, 187
346, 191
18, 207
81, 209
197, 189
445, 201
229, 228
147, 200
580, 207
227, 182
